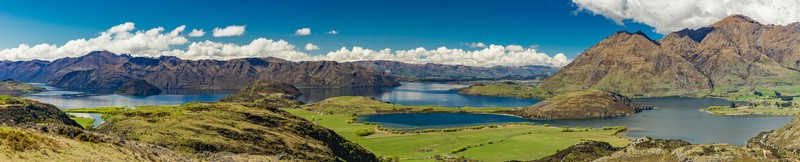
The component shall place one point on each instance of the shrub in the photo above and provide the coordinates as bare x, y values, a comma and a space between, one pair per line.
365, 132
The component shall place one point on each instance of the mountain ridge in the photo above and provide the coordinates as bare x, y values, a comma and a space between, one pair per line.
734, 52
103, 69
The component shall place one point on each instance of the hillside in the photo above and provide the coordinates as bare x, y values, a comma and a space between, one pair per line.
734, 52
505, 90
103, 69
268, 94
582, 104
15, 111
138, 87
15, 88
443, 73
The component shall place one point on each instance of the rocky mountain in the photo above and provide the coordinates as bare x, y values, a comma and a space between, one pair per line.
138, 87
14, 88
583, 104
736, 51
441, 72
103, 69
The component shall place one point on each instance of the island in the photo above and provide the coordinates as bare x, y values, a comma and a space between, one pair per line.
581, 105
506, 89
15, 88
138, 87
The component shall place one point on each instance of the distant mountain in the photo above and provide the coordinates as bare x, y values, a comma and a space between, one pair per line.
734, 52
440, 72
103, 69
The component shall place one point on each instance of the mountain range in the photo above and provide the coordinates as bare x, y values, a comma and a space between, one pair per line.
443, 73
103, 69
732, 53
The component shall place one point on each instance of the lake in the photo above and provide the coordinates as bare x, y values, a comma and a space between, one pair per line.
417, 94
86, 98
674, 118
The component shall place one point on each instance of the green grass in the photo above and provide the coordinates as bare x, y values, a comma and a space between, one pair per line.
506, 90
84, 122
508, 142
745, 110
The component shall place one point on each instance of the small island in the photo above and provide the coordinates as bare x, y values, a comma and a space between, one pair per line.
138, 87
581, 105
506, 89
15, 88
758, 102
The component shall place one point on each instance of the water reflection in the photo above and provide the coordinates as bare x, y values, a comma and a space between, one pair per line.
81, 98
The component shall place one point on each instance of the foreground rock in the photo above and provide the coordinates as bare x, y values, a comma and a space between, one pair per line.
269, 94
15, 88
734, 52
582, 104
103, 69
138, 87
584, 151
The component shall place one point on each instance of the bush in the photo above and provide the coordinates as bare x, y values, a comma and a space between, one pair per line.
365, 132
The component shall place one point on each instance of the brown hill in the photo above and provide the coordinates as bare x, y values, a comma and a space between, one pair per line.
736, 51
583, 104
103, 69
15, 88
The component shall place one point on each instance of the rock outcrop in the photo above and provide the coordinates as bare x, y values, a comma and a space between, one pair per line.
15, 88
103, 69
582, 104
736, 51
138, 87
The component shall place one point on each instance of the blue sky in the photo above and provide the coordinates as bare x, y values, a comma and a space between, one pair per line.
552, 25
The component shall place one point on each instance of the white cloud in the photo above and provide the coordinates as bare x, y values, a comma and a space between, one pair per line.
332, 32
157, 42
232, 30
197, 33
311, 47
674, 15
303, 32
120, 39
477, 45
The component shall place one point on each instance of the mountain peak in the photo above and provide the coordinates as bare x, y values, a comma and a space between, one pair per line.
624, 35
735, 20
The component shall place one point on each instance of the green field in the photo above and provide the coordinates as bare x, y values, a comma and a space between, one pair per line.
84, 122
761, 110
511, 142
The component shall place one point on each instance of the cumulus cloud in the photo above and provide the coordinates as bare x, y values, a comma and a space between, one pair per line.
674, 15
156, 42
332, 32
477, 45
311, 47
120, 39
303, 32
232, 30
197, 33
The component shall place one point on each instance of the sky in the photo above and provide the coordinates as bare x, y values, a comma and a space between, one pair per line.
465, 32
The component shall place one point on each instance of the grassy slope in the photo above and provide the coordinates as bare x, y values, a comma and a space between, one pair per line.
506, 90
522, 142
238, 128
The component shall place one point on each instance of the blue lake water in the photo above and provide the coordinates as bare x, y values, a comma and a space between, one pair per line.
674, 118
86, 98
417, 94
